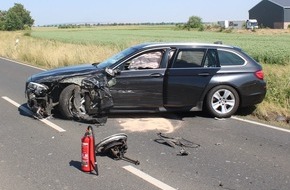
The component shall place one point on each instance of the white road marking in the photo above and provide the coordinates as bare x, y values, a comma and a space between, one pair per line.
52, 125
49, 123
148, 178
261, 124
22, 63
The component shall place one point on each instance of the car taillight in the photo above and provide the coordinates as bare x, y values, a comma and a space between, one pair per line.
259, 74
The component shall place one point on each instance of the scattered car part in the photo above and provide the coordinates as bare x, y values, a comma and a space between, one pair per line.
176, 141
115, 146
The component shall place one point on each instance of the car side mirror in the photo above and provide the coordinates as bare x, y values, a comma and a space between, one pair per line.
110, 72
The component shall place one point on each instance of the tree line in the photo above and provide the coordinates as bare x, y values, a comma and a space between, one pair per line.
80, 25
194, 22
16, 18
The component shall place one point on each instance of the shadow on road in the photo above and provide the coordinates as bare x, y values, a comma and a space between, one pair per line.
76, 164
24, 110
246, 111
135, 114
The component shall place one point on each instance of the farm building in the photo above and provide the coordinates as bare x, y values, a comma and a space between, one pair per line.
231, 24
272, 13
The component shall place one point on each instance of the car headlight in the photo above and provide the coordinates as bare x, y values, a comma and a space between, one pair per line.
37, 89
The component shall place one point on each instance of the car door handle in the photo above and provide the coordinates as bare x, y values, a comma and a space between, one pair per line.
156, 75
203, 74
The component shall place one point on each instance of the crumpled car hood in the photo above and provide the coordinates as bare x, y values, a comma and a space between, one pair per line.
63, 72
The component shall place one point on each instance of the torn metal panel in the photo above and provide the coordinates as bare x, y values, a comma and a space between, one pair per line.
90, 100
73, 80
97, 99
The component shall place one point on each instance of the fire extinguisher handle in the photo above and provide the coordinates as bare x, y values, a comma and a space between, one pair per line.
90, 129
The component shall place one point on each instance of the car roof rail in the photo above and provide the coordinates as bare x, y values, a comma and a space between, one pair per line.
218, 42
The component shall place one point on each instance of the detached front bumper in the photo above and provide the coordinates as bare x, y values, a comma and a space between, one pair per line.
37, 99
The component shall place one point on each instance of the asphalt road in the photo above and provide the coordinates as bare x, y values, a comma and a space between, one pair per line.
232, 155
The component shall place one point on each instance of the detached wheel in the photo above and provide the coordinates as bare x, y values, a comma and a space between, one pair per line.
222, 101
67, 104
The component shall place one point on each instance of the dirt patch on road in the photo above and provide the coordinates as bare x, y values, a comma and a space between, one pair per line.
147, 124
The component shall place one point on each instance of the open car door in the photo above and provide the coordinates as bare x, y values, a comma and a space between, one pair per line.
140, 82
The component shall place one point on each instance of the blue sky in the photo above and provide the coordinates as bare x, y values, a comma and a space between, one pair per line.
132, 11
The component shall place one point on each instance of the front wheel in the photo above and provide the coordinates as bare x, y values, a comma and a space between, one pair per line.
222, 101
68, 105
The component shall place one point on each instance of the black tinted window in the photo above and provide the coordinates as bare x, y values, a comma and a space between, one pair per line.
229, 58
189, 58
211, 59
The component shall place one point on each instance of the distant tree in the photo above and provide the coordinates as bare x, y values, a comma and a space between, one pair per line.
2, 19
194, 22
18, 18
12, 22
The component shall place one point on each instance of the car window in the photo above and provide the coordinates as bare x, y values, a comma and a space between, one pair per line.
189, 58
227, 58
211, 59
112, 60
148, 60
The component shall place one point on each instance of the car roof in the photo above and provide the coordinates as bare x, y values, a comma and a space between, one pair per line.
184, 45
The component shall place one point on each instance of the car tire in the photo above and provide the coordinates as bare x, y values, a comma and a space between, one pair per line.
222, 101
65, 101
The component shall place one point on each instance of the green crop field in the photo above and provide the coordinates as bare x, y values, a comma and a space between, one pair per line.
267, 48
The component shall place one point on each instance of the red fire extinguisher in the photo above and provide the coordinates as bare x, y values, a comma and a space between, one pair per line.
89, 162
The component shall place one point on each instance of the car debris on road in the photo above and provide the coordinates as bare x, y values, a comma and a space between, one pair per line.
176, 141
115, 146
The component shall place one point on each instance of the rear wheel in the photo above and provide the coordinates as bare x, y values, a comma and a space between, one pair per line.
222, 101
67, 105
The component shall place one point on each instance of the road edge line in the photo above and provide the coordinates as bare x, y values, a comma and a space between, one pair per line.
17, 62
261, 124
45, 121
148, 178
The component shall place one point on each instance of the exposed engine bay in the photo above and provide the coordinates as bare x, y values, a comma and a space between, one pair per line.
88, 100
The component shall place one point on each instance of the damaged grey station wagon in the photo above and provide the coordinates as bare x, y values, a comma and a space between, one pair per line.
152, 77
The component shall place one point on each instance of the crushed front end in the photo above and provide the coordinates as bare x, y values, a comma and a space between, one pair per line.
90, 98
38, 99
97, 99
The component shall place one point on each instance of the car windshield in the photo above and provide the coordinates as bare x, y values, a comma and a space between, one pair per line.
114, 59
